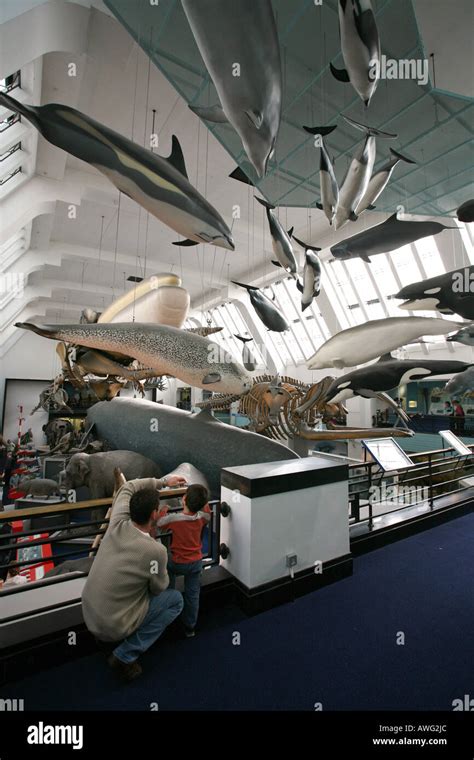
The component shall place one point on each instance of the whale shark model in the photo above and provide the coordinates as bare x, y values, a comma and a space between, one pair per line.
160, 185
271, 317
179, 436
393, 233
360, 47
379, 181
358, 175
448, 293
167, 350
362, 343
386, 374
281, 242
238, 42
327, 177
311, 286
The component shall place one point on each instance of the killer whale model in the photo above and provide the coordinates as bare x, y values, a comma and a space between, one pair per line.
281, 242
360, 47
271, 317
243, 34
327, 178
448, 293
167, 350
379, 181
160, 185
393, 233
311, 286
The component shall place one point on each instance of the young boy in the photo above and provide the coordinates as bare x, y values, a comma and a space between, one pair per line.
186, 554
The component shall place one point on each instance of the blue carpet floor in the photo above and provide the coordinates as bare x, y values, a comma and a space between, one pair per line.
337, 646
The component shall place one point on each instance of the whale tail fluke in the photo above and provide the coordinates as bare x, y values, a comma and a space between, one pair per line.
29, 112
244, 340
265, 203
323, 131
306, 246
401, 157
370, 130
242, 285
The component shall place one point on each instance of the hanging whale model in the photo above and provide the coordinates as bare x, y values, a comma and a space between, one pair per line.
281, 242
160, 185
265, 308
362, 343
327, 178
465, 336
127, 423
465, 212
360, 47
448, 293
358, 174
238, 42
386, 374
311, 286
460, 384
393, 233
248, 359
379, 181
169, 351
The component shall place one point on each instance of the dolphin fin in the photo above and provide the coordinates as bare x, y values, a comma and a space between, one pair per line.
240, 175
299, 286
290, 232
386, 357
176, 157
353, 216
340, 74
185, 242
371, 207
241, 285
277, 263
212, 377
210, 113
306, 246
401, 157
320, 130
265, 203
369, 130
320, 206
256, 117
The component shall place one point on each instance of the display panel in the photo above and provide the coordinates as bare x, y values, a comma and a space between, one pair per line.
388, 454
455, 442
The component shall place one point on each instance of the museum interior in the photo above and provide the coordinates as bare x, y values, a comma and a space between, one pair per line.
237, 319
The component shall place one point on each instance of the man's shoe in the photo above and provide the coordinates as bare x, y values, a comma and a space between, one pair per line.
189, 633
127, 670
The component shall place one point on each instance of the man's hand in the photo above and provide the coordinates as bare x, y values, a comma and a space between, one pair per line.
174, 481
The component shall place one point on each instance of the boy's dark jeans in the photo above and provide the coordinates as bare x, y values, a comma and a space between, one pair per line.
192, 588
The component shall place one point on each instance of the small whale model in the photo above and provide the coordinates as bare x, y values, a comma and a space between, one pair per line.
265, 308
360, 47
379, 181
465, 212
248, 359
393, 233
167, 350
238, 42
160, 185
311, 286
281, 242
465, 336
358, 175
460, 384
362, 343
448, 293
327, 178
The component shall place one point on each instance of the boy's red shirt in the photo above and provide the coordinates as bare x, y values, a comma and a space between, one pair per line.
186, 541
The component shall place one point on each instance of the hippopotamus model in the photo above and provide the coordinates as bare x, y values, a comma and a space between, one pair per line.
39, 487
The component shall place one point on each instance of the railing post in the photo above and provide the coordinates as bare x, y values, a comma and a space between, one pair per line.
430, 480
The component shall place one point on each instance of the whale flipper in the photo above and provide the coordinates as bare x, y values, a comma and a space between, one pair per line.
340, 74
210, 113
320, 130
320, 206
265, 203
277, 263
185, 242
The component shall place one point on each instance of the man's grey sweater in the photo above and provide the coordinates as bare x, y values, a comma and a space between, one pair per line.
129, 567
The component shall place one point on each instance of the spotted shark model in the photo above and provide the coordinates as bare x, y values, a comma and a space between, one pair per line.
158, 184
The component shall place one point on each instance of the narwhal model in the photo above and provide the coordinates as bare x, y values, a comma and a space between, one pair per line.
158, 184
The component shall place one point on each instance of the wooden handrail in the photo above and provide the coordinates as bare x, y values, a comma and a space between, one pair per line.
73, 506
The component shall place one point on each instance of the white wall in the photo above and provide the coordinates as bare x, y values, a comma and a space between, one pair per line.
25, 393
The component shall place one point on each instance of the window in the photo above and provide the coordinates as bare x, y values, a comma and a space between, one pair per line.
11, 82
10, 151
10, 176
9, 121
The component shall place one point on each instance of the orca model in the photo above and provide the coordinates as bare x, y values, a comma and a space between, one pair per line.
448, 293
160, 185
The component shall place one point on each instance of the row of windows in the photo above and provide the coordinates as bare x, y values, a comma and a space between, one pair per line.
7, 85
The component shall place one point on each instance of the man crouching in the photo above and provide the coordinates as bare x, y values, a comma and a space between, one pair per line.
126, 596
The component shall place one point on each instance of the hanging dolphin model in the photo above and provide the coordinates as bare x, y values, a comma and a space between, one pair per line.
448, 293
379, 181
362, 343
160, 185
125, 422
238, 42
311, 286
465, 336
393, 233
248, 359
281, 242
465, 212
327, 178
460, 384
386, 374
360, 47
358, 174
265, 308
168, 350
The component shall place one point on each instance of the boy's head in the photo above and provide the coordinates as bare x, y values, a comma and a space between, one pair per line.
196, 497
143, 504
